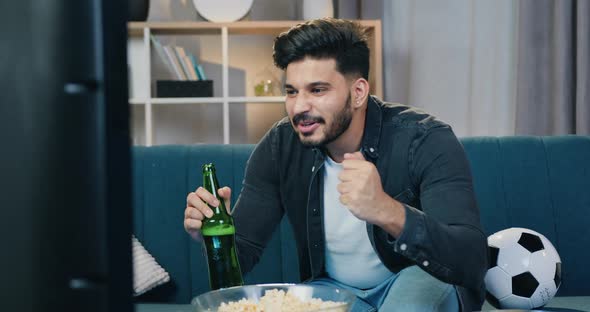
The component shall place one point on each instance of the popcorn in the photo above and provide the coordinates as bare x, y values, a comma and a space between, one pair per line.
275, 300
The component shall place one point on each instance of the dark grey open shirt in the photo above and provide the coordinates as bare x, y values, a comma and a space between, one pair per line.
421, 163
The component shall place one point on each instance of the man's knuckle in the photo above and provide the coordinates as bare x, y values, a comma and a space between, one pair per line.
201, 192
193, 224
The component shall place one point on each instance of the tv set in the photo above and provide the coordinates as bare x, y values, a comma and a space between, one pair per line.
65, 187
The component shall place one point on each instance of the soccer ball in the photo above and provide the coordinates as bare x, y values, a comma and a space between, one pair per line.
525, 269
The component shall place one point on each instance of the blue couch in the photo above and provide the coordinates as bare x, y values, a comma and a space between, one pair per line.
541, 183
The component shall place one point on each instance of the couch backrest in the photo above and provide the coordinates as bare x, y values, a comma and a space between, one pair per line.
163, 176
541, 183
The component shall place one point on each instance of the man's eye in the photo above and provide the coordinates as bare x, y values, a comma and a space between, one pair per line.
317, 90
290, 92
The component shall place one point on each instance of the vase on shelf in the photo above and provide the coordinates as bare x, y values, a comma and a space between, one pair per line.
266, 83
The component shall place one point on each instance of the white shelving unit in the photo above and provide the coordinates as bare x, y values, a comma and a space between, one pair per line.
224, 30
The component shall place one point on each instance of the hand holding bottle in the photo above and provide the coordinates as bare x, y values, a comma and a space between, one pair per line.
218, 232
197, 208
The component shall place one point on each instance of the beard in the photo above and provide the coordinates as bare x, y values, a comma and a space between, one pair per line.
341, 122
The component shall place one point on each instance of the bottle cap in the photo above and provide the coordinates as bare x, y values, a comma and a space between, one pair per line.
209, 167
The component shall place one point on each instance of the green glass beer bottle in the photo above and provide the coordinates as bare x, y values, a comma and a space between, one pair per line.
219, 236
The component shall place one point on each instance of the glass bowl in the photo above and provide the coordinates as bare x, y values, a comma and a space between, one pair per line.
210, 301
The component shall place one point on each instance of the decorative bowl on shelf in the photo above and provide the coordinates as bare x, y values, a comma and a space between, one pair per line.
222, 11
276, 298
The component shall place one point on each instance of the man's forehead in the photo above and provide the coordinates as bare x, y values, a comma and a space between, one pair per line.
326, 63
311, 71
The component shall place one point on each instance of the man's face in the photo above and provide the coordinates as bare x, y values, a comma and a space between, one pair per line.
318, 101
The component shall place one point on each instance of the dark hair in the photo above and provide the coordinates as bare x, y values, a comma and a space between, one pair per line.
343, 40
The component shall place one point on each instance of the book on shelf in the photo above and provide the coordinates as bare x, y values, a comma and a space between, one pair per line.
198, 68
191, 68
181, 64
186, 63
201, 72
162, 54
171, 54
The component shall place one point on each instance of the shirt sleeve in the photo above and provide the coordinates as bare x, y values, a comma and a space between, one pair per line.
258, 209
445, 236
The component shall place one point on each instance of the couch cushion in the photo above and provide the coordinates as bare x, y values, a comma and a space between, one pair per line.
160, 186
163, 176
540, 183
569, 175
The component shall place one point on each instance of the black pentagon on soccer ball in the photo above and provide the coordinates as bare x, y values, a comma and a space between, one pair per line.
531, 242
557, 278
493, 257
493, 300
524, 284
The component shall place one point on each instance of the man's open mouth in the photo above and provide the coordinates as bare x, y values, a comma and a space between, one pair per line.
307, 127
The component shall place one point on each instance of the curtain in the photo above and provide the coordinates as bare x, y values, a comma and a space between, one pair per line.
454, 59
488, 67
553, 78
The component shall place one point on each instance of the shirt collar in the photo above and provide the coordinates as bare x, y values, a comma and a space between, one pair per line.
372, 133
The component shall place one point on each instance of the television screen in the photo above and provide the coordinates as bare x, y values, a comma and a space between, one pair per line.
65, 158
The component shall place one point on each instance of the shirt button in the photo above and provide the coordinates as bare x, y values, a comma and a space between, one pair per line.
371, 149
403, 247
313, 169
425, 263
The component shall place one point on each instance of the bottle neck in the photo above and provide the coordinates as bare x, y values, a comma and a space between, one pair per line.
211, 184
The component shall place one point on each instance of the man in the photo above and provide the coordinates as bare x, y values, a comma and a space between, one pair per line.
379, 195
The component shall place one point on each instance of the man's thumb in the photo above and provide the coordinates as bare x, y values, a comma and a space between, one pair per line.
225, 193
355, 155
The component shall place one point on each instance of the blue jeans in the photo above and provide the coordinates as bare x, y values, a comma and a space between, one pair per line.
412, 289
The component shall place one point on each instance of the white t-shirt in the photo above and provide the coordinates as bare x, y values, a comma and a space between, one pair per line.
350, 258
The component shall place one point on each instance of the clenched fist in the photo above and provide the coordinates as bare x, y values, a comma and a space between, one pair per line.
361, 191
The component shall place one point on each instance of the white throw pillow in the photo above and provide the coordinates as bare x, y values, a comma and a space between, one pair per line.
147, 273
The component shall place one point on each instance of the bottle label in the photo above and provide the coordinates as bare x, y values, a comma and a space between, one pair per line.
218, 230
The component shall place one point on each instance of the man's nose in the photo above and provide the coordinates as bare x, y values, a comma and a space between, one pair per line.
302, 103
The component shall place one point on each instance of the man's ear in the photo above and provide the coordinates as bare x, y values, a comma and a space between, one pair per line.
360, 92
